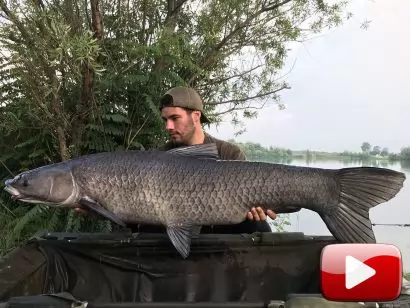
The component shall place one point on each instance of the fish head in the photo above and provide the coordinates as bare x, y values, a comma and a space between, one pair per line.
48, 185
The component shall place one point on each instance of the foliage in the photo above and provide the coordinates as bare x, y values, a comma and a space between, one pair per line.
383, 152
366, 147
405, 153
376, 150
369, 155
254, 151
79, 77
280, 223
23, 222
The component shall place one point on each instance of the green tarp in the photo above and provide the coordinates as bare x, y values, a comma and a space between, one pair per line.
145, 269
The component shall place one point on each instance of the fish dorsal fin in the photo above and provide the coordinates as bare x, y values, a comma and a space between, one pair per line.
206, 150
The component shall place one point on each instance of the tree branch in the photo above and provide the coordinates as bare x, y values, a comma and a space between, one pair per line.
58, 119
10, 15
234, 31
238, 108
62, 142
209, 58
96, 20
239, 100
84, 105
173, 9
218, 81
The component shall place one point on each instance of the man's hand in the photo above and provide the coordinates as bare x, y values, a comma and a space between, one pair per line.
258, 214
80, 210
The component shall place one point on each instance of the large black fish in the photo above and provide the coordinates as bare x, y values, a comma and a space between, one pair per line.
185, 188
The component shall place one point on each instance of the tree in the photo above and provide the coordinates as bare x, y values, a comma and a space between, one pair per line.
405, 153
366, 147
79, 77
384, 152
230, 51
376, 150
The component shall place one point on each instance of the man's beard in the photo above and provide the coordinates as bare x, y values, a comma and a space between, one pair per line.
186, 138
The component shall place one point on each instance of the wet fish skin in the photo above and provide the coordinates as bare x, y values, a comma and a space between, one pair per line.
188, 187
173, 189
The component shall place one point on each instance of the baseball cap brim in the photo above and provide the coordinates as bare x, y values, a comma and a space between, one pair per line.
204, 118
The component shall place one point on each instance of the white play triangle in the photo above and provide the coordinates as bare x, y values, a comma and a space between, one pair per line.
357, 272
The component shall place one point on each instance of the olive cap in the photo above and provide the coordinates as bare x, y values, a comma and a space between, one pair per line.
185, 98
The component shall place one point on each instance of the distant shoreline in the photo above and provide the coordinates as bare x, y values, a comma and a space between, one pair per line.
255, 151
350, 155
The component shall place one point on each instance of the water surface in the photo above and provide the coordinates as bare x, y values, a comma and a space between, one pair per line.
393, 212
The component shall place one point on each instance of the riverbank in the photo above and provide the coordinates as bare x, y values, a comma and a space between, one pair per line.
255, 151
308, 154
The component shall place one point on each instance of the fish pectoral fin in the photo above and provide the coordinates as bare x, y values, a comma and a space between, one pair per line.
94, 206
181, 236
206, 150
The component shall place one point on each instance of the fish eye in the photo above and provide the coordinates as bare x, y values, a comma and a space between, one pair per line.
23, 180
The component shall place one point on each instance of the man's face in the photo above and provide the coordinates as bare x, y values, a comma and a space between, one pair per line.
179, 124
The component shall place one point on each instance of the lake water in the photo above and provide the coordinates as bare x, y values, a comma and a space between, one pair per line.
395, 211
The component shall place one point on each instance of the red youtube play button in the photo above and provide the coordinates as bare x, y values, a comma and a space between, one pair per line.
361, 272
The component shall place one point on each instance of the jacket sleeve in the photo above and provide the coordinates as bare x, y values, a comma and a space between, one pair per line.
241, 155
230, 151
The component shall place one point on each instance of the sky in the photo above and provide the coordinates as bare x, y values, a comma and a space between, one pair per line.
348, 86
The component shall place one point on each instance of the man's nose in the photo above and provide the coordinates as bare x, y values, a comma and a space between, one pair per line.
169, 125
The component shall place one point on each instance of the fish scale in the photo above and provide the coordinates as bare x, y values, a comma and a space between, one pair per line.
211, 199
185, 188
219, 205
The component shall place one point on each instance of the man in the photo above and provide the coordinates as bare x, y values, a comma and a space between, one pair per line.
182, 111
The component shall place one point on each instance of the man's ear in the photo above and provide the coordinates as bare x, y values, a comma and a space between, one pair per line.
196, 116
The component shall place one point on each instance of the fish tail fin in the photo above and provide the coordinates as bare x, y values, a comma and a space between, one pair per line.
361, 188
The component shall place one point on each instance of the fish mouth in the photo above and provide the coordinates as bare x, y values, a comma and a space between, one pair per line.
15, 194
